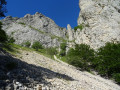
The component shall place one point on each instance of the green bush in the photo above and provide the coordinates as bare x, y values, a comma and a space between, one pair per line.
108, 59
11, 40
37, 45
117, 77
51, 51
63, 46
75, 60
81, 26
3, 36
82, 56
27, 44
63, 49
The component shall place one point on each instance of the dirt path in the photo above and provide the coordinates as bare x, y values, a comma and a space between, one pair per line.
71, 79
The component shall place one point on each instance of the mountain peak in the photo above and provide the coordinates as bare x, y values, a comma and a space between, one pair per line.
33, 28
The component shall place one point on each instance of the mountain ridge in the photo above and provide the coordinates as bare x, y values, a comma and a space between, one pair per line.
33, 28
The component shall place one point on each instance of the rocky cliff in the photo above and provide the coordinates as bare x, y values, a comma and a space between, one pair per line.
34, 28
100, 20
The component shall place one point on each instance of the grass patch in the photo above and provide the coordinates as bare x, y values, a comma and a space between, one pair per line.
21, 23
62, 58
37, 29
48, 52
81, 26
13, 49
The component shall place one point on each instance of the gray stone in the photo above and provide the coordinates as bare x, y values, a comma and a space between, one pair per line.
9, 87
102, 21
34, 28
70, 33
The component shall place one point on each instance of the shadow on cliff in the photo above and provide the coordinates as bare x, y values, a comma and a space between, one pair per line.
15, 70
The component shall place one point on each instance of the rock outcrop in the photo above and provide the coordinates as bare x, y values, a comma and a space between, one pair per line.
34, 28
101, 20
70, 33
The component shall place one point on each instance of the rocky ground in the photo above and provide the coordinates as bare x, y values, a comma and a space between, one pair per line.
34, 71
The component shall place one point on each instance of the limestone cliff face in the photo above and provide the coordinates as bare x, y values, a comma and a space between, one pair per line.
101, 19
70, 33
34, 28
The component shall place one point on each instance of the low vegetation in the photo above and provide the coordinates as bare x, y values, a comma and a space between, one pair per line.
82, 56
26, 44
21, 23
37, 30
81, 26
63, 49
10, 39
37, 45
106, 60
3, 36
49, 52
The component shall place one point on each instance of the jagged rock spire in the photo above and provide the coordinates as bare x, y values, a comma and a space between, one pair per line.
70, 32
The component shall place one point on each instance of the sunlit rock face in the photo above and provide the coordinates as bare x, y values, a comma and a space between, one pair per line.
70, 33
101, 20
33, 28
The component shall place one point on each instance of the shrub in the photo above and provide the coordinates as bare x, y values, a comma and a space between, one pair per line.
82, 56
74, 60
117, 77
37, 45
63, 49
3, 36
108, 59
51, 51
11, 40
27, 44
81, 26
63, 46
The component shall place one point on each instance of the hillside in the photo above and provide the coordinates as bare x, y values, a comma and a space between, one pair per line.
37, 54
34, 70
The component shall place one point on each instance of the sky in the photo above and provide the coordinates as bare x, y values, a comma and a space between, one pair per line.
63, 12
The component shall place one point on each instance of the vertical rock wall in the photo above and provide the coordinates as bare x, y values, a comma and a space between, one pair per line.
101, 19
